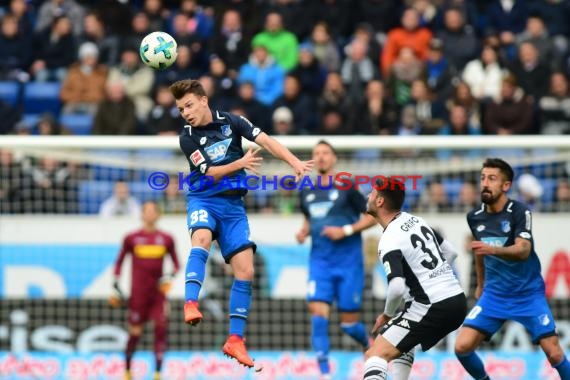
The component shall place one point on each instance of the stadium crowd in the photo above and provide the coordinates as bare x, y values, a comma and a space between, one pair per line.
293, 67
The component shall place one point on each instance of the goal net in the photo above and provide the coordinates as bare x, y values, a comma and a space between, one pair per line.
58, 242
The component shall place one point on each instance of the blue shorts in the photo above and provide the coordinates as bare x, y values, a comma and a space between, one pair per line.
491, 311
343, 284
226, 218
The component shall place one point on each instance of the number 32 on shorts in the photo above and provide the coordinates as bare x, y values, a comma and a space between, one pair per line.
200, 215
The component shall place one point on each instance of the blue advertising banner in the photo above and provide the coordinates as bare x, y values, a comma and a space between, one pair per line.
276, 366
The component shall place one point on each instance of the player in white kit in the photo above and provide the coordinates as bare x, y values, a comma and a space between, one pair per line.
414, 260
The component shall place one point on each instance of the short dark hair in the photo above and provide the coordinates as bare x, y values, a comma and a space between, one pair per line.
502, 165
393, 191
187, 86
325, 142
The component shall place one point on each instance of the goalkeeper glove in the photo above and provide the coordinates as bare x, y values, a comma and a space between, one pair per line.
117, 298
165, 283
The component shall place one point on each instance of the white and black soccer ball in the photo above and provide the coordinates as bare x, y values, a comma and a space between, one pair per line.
158, 50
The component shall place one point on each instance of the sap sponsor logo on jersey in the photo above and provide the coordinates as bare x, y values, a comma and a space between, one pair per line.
197, 158
408, 224
494, 241
320, 209
217, 152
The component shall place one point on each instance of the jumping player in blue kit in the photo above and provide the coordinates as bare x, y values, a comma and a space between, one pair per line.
509, 281
212, 143
334, 219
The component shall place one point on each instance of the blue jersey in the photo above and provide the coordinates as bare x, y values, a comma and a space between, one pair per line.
333, 207
218, 143
507, 278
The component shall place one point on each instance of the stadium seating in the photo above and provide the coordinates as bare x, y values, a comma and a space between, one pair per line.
10, 92
40, 97
78, 124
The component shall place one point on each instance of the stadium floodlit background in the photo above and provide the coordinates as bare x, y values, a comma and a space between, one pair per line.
393, 73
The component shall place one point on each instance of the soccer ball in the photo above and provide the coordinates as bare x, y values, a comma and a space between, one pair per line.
158, 50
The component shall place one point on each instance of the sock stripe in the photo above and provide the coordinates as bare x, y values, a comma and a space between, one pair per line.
199, 248
193, 281
238, 316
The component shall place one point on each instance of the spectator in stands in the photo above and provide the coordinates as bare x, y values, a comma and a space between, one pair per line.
265, 74
325, 49
121, 203
334, 95
458, 125
200, 22
431, 113
357, 70
530, 71
172, 200
508, 18
428, 12
9, 116
378, 114
12, 182
231, 43
312, 75
365, 32
483, 75
332, 123
16, 50
281, 43
184, 67
283, 123
224, 84
185, 37
23, 14
55, 51
409, 124
48, 125
116, 113
462, 96
537, 34
409, 35
291, 12
303, 108
435, 199
140, 27
164, 118
381, 14
94, 31
53, 9
337, 14
84, 86
255, 111
439, 73
468, 199
562, 196
555, 15
460, 44
530, 191
53, 188
555, 106
156, 13
406, 69
137, 79
512, 114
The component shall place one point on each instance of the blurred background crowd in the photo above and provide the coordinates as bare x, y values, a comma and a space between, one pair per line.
293, 67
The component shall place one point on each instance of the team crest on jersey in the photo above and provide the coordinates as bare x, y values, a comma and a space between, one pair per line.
333, 195
197, 158
505, 226
217, 152
226, 130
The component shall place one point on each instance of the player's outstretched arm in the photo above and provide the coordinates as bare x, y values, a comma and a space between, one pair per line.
281, 152
337, 233
250, 161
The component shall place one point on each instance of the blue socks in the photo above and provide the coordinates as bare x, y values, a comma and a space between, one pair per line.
195, 272
240, 300
356, 331
320, 341
563, 369
473, 365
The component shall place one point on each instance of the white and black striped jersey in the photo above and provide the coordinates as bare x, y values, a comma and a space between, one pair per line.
409, 248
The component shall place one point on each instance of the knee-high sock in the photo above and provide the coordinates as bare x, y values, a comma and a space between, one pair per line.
131, 346
402, 365
320, 341
240, 301
356, 331
473, 365
195, 272
160, 332
563, 369
375, 368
